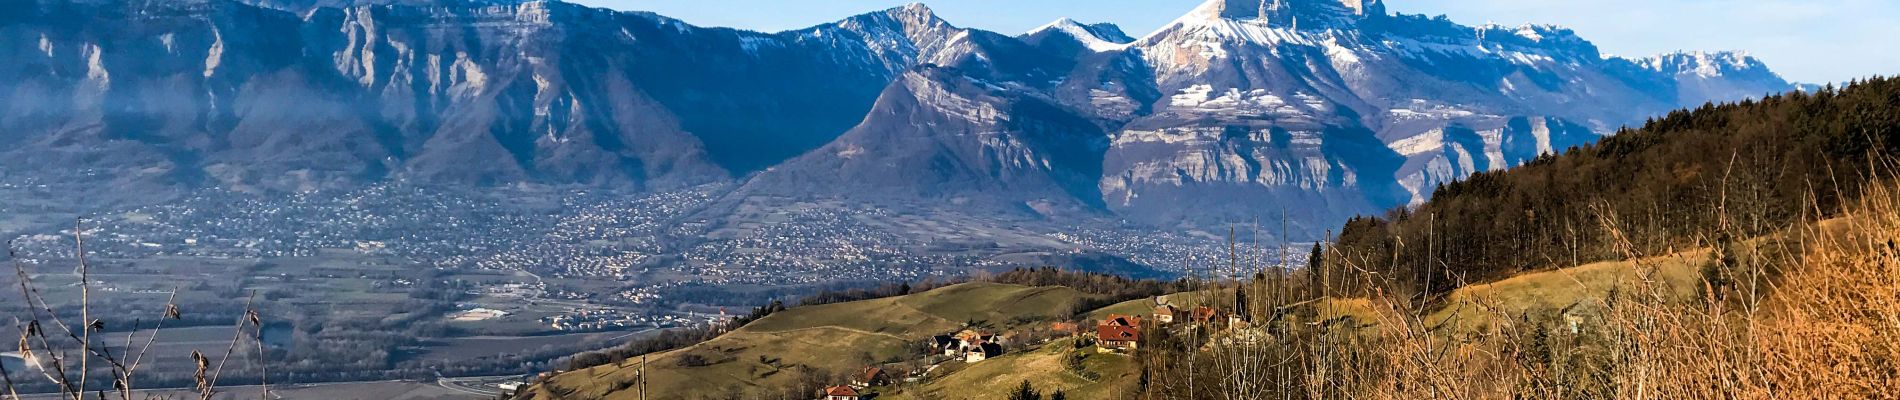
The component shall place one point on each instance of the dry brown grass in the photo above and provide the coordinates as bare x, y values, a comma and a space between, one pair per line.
1808, 311
1822, 322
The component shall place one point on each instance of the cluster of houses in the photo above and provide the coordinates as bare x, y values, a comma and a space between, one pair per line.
1119, 333
969, 345
1202, 316
869, 377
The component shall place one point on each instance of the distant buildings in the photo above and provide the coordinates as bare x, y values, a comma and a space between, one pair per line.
480, 314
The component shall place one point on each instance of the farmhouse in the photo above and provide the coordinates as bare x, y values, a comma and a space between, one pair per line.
1113, 338
982, 351
869, 377
1205, 315
947, 345
840, 393
1118, 333
1122, 320
1164, 314
970, 346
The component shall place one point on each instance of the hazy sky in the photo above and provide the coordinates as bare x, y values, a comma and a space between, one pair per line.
1805, 40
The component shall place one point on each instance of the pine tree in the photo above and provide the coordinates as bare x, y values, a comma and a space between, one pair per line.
1058, 395
1025, 392
1317, 259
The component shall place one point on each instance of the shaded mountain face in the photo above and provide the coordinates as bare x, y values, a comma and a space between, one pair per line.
218, 92
1241, 110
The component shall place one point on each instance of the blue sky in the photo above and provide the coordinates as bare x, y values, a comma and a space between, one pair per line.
1805, 40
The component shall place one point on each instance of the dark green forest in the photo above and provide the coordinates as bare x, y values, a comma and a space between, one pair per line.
1732, 167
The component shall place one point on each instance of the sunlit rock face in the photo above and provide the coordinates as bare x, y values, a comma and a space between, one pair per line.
1331, 108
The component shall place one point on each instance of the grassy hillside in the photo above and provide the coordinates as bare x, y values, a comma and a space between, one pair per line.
833, 339
1046, 368
1146, 306
1471, 307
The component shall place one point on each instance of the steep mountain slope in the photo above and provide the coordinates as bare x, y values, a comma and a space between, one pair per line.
1385, 106
982, 139
1318, 109
304, 95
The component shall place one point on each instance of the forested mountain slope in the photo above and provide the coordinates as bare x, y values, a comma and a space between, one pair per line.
1747, 166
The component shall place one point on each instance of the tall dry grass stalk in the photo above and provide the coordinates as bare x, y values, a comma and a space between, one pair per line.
68, 356
1833, 322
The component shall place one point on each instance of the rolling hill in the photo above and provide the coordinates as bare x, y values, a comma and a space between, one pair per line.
831, 340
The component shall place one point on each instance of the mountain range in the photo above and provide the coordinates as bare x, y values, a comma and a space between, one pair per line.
1315, 110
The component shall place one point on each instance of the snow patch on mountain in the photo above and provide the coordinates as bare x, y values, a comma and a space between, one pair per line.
1098, 38
1702, 64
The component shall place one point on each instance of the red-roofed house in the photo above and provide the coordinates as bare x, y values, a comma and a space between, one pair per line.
1066, 328
840, 393
1206, 315
1122, 320
872, 376
1110, 338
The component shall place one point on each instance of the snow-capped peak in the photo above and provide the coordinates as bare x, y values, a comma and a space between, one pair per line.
1287, 11
1703, 64
1097, 38
912, 12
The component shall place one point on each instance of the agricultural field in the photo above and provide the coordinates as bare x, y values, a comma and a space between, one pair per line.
388, 390
370, 315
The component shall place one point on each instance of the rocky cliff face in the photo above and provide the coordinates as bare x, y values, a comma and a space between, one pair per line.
1312, 109
1242, 109
1333, 106
292, 95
